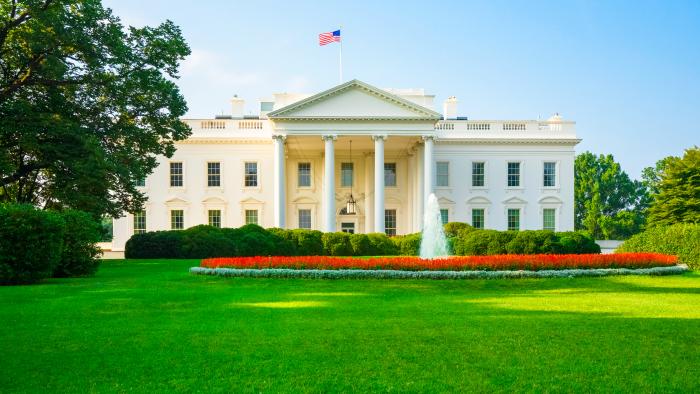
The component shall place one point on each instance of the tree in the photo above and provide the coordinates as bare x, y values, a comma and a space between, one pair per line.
608, 204
678, 199
651, 176
86, 105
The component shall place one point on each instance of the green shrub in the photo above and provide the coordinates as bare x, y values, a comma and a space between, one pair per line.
308, 242
408, 245
453, 229
285, 244
31, 243
682, 240
81, 255
577, 242
336, 244
360, 245
534, 242
490, 242
155, 245
381, 245
204, 241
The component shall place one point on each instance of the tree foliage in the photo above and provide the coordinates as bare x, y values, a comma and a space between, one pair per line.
86, 105
678, 197
608, 204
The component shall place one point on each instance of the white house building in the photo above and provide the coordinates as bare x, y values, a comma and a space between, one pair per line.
298, 163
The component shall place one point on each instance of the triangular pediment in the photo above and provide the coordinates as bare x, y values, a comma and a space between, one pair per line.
354, 100
176, 201
515, 201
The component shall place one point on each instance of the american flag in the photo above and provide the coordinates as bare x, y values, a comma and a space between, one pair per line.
327, 38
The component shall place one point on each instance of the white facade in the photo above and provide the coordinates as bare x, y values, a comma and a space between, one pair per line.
297, 140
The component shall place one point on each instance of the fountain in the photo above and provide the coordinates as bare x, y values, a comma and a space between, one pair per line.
433, 241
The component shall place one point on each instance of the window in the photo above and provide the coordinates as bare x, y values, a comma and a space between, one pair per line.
389, 174
305, 218
390, 222
513, 174
550, 174
214, 174
139, 222
548, 219
215, 217
513, 219
251, 174
176, 174
442, 170
141, 182
478, 218
347, 227
478, 174
304, 170
444, 216
251, 216
177, 219
346, 172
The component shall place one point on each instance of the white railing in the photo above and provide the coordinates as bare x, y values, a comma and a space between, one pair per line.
445, 126
507, 127
213, 124
514, 126
478, 126
250, 125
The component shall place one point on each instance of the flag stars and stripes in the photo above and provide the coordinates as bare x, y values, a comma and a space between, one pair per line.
327, 38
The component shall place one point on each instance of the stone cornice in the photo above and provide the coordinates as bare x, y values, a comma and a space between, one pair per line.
236, 141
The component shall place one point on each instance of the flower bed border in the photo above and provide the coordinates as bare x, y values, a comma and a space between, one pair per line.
454, 263
397, 274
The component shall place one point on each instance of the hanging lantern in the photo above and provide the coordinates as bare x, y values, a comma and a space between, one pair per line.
351, 204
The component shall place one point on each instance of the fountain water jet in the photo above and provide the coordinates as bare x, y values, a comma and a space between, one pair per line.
433, 241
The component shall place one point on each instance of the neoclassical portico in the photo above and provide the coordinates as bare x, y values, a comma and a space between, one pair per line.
359, 112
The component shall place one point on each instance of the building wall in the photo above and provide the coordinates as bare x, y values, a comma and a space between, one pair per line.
195, 198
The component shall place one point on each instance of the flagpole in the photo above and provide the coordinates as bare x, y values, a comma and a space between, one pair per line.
340, 57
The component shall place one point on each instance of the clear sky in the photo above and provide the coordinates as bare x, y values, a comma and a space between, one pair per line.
627, 72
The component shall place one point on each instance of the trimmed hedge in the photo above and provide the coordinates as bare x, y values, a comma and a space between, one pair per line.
36, 244
252, 240
81, 255
31, 243
682, 240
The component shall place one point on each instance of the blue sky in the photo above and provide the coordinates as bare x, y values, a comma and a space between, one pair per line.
627, 72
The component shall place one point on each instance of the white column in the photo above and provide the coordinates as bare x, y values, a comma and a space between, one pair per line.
279, 179
427, 167
379, 183
329, 183
420, 187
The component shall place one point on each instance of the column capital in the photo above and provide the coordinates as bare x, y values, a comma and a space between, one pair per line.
331, 137
379, 137
279, 137
428, 137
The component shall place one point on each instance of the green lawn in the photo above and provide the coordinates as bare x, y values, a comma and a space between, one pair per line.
150, 326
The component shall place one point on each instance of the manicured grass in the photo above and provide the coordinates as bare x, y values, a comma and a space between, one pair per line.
149, 326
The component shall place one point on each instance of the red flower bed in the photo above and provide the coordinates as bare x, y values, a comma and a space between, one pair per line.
533, 262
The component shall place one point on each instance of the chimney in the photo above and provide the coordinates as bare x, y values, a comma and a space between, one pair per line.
449, 108
237, 107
